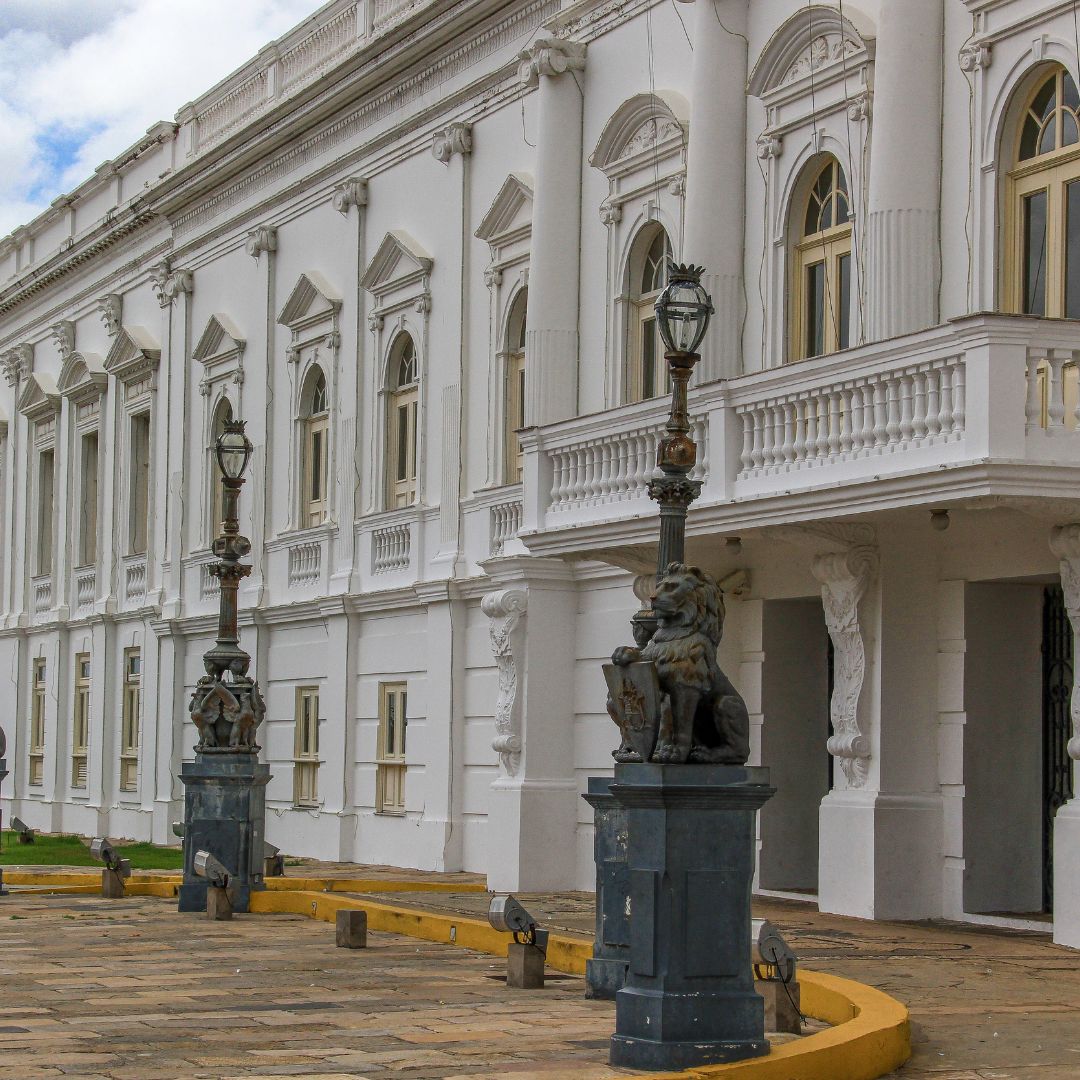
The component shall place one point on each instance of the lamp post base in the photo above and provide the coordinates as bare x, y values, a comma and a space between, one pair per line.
689, 997
224, 813
605, 970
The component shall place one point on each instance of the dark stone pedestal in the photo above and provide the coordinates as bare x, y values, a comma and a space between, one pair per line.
689, 997
605, 973
224, 810
524, 966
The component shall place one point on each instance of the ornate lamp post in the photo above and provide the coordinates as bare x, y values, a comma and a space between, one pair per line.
225, 787
682, 781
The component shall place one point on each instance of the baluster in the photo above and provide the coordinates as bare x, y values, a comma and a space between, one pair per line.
799, 441
907, 426
946, 411
858, 435
933, 420
646, 461
1033, 403
622, 453
959, 394
778, 434
892, 408
787, 446
746, 457
918, 419
1056, 390
880, 415
574, 487
847, 440
833, 404
811, 428
604, 487
768, 432
757, 454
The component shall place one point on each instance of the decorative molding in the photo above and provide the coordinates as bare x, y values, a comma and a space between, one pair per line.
506, 609
551, 57
510, 213
168, 284
63, 335
493, 277
844, 577
375, 321
859, 107
17, 363
263, 238
455, 138
134, 354
677, 185
312, 300
642, 127
83, 377
610, 213
39, 399
976, 56
1065, 544
769, 146
349, 193
111, 309
399, 261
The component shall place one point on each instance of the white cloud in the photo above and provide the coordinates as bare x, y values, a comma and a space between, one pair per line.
80, 80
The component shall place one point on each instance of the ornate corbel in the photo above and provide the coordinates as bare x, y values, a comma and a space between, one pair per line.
453, 139
677, 185
264, 238
844, 578
375, 321
976, 56
551, 57
17, 363
349, 193
168, 284
858, 108
1065, 544
506, 609
769, 146
423, 303
63, 335
493, 277
610, 213
110, 309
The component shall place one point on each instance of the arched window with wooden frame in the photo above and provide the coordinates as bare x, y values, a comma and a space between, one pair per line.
401, 423
1042, 216
222, 413
649, 257
315, 422
821, 267
514, 388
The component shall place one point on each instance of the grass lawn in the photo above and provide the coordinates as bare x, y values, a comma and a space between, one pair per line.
71, 851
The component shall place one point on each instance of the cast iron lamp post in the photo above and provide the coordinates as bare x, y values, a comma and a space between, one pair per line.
225, 786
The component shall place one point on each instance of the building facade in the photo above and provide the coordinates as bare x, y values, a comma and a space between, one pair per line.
415, 245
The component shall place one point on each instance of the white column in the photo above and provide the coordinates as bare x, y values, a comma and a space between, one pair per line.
551, 328
1065, 544
716, 178
533, 807
903, 267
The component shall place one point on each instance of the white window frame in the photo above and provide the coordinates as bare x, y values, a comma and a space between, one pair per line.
36, 744
306, 759
80, 719
130, 719
390, 764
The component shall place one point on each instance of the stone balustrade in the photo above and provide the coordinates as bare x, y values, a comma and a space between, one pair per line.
41, 590
85, 589
505, 521
305, 563
134, 579
391, 548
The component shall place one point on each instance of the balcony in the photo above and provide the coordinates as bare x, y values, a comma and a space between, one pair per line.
85, 590
134, 579
983, 407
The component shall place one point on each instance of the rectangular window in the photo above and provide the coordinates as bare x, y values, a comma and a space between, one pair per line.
515, 415
131, 715
316, 453
843, 313
1072, 250
1035, 253
403, 447
37, 722
46, 472
815, 309
306, 747
88, 500
140, 483
390, 764
80, 723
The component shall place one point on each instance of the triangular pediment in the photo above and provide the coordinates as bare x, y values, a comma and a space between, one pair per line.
83, 373
511, 212
643, 124
39, 396
220, 338
312, 297
398, 261
133, 351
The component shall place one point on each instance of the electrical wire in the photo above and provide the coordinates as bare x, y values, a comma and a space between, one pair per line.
856, 247
678, 15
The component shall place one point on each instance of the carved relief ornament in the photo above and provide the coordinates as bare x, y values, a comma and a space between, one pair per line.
1065, 544
844, 578
506, 610
63, 335
264, 238
453, 139
111, 309
349, 193
168, 284
551, 57
17, 363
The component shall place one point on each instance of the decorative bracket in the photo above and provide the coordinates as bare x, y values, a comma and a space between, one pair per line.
264, 238
454, 139
506, 609
349, 193
111, 308
17, 363
549, 56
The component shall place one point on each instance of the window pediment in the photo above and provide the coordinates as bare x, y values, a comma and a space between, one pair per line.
220, 341
399, 262
816, 40
134, 353
313, 300
82, 377
510, 214
642, 128
39, 398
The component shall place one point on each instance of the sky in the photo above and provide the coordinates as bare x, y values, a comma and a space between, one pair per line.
81, 80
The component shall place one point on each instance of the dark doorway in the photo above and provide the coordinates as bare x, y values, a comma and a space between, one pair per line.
1057, 677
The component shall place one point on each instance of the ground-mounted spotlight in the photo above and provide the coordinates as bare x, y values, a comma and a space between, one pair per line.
23, 831
217, 876
273, 861
178, 829
525, 956
116, 872
774, 974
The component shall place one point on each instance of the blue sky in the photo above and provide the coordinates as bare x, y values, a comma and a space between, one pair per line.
81, 80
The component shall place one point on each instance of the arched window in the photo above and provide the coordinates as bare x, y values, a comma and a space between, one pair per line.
648, 275
221, 415
515, 388
315, 419
401, 424
821, 282
1044, 202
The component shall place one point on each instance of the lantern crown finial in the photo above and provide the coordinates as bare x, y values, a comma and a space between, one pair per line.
683, 309
684, 272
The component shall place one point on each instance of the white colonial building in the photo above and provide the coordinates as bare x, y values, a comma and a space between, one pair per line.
415, 244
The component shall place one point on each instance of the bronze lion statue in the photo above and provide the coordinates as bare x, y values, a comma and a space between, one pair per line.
703, 717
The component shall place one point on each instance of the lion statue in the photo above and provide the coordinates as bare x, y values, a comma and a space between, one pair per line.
704, 719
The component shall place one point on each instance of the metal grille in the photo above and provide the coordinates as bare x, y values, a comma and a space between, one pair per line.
1057, 677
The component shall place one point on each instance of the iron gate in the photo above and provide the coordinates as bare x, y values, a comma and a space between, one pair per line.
1057, 677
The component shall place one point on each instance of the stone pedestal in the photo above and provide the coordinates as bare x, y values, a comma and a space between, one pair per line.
1067, 875
112, 885
524, 966
224, 810
605, 972
689, 997
782, 1005
218, 903
350, 929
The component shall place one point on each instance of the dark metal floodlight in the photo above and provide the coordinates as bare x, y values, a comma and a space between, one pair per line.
102, 850
233, 450
683, 309
505, 913
206, 866
26, 834
178, 829
769, 949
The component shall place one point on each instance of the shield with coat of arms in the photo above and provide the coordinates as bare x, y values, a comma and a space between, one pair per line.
635, 697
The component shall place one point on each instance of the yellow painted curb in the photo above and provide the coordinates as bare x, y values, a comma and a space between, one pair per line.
368, 885
870, 1036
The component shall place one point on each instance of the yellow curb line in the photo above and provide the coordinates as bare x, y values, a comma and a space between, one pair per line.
870, 1035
